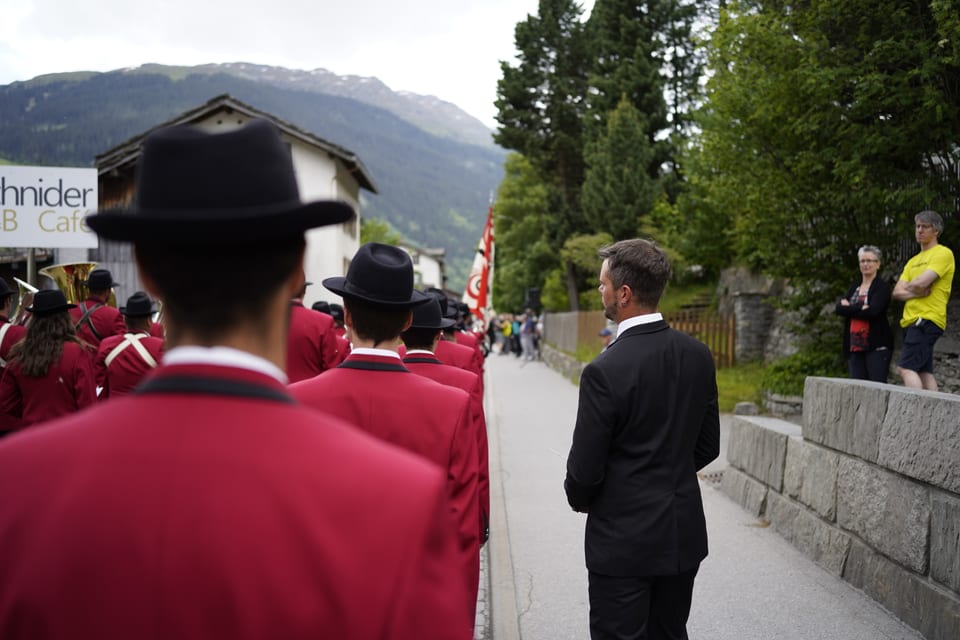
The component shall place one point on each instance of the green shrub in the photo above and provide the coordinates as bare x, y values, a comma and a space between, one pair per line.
787, 375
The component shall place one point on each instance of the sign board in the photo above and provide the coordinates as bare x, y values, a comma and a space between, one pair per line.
46, 206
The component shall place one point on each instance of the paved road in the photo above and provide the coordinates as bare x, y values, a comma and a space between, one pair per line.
754, 585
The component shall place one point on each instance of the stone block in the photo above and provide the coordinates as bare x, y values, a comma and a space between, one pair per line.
945, 540
933, 612
824, 543
746, 409
758, 446
744, 490
891, 513
920, 437
810, 476
845, 415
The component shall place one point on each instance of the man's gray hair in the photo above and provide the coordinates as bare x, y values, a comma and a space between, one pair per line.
930, 217
869, 248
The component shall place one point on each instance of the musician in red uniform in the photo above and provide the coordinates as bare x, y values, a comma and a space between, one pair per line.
50, 372
208, 504
93, 319
122, 361
10, 334
343, 345
311, 343
420, 340
373, 390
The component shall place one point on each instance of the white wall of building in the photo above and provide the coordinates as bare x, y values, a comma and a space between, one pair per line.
329, 249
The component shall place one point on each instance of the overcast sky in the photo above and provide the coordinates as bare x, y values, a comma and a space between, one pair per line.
447, 48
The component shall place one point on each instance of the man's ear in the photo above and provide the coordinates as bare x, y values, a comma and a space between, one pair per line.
409, 321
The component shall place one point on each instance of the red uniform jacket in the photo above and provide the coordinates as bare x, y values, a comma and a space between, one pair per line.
68, 386
426, 364
128, 367
311, 343
156, 330
106, 320
14, 334
208, 514
382, 397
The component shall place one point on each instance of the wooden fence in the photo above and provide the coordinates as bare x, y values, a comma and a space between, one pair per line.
568, 329
716, 331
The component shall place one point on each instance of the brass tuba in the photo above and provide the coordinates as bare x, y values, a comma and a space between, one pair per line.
71, 278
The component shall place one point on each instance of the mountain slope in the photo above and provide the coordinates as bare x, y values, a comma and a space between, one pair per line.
433, 189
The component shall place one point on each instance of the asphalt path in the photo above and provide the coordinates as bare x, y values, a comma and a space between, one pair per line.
754, 584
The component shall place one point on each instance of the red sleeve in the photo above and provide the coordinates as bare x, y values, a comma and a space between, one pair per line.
462, 488
11, 400
100, 362
84, 385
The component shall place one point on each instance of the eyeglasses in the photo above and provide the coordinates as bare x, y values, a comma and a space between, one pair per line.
862, 260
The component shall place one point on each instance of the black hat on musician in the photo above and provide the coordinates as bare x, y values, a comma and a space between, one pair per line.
322, 306
99, 280
380, 274
139, 305
428, 316
47, 302
5, 290
199, 188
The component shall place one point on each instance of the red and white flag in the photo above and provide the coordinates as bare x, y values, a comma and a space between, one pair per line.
477, 293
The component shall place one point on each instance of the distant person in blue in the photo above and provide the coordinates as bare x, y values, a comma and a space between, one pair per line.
867, 339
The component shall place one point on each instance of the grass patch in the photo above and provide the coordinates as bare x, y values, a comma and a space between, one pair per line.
676, 296
740, 383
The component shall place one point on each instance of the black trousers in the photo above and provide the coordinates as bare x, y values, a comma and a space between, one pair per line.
640, 608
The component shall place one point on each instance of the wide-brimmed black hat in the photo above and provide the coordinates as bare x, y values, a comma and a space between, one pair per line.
428, 316
5, 289
47, 302
100, 279
139, 305
380, 274
322, 306
199, 188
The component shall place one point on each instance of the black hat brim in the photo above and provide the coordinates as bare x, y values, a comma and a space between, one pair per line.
340, 286
445, 323
217, 226
42, 313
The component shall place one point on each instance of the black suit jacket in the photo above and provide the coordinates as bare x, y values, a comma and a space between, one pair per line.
646, 423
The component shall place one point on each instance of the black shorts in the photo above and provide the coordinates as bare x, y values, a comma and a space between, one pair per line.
918, 341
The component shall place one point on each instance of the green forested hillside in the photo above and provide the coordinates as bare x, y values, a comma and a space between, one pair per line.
433, 190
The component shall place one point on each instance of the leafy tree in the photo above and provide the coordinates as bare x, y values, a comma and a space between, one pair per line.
523, 255
540, 110
375, 230
828, 124
619, 191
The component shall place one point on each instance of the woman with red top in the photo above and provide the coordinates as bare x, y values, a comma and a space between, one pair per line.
867, 339
50, 372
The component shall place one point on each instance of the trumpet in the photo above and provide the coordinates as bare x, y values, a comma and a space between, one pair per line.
71, 278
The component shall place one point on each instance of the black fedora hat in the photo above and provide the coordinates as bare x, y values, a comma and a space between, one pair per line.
428, 316
380, 274
322, 306
199, 188
100, 279
47, 302
139, 305
5, 289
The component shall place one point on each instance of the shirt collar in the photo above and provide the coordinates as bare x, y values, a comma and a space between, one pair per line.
636, 321
373, 351
224, 357
413, 352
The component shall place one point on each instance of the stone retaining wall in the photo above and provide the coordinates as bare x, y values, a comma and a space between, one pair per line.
868, 487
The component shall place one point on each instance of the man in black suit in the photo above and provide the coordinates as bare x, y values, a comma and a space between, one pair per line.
646, 423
